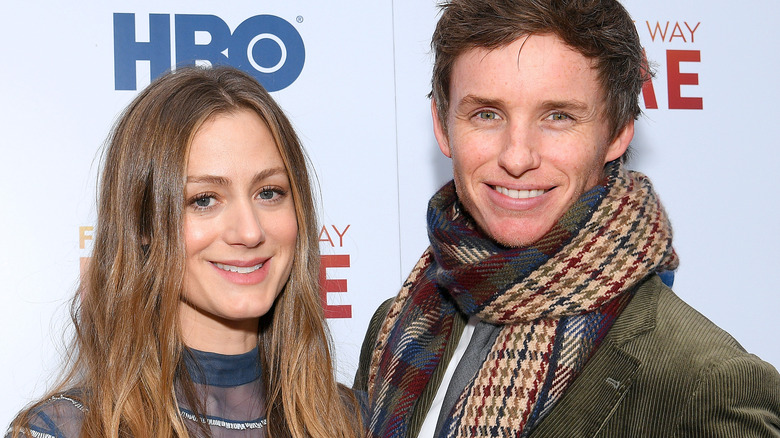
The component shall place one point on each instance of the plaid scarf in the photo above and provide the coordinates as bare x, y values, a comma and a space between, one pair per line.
555, 301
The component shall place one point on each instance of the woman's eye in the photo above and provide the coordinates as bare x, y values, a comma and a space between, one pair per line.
266, 194
204, 202
270, 194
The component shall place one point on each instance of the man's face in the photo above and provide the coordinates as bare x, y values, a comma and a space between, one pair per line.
526, 134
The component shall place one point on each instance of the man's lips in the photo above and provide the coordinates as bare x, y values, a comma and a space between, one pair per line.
519, 194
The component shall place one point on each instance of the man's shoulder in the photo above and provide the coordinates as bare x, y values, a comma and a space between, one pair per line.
375, 323
679, 348
664, 322
676, 371
360, 384
381, 312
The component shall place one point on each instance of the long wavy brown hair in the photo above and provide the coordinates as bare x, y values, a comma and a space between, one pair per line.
126, 357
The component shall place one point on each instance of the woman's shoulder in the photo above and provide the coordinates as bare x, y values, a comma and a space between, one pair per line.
59, 416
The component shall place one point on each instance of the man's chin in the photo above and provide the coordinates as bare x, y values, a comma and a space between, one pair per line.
515, 235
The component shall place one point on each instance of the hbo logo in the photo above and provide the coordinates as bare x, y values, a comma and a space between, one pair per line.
265, 46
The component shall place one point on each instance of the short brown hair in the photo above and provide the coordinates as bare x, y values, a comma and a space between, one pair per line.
601, 30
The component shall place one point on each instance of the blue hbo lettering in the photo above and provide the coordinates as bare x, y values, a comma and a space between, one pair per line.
265, 46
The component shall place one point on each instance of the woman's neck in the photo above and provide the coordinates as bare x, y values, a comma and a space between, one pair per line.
217, 335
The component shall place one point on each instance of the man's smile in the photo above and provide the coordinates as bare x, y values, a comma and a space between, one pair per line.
519, 194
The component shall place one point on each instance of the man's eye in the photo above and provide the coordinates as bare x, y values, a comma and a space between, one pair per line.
487, 115
559, 116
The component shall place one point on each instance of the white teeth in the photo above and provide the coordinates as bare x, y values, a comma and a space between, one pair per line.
238, 269
519, 194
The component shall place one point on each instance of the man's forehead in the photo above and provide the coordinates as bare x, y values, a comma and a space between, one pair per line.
549, 40
525, 62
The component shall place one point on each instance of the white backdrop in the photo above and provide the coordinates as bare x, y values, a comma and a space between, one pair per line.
359, 106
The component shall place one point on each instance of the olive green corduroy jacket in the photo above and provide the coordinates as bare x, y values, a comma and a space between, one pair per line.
663, 370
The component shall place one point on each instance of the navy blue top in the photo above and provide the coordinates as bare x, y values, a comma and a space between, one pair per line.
229, 387
220, 370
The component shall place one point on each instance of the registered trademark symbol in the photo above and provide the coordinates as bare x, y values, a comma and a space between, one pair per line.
299, 19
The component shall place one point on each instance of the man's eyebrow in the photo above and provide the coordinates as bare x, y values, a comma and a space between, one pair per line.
472, 100
224, 181
563, 104
571, 105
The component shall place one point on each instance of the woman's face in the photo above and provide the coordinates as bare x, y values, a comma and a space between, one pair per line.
240, 231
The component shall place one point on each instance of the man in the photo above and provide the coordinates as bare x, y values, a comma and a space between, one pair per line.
538, 310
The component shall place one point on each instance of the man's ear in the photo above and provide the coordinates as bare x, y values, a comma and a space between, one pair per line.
618, 147
440, 132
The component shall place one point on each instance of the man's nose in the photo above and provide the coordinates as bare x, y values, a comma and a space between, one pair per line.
520, 151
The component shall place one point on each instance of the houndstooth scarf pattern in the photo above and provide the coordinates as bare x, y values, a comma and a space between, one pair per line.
555, 301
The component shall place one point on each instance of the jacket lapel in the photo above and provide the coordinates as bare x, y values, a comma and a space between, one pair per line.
608, 376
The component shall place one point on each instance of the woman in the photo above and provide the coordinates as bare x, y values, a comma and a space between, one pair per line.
199, 313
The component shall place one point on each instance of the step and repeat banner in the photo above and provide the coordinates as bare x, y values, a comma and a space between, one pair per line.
353, 77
